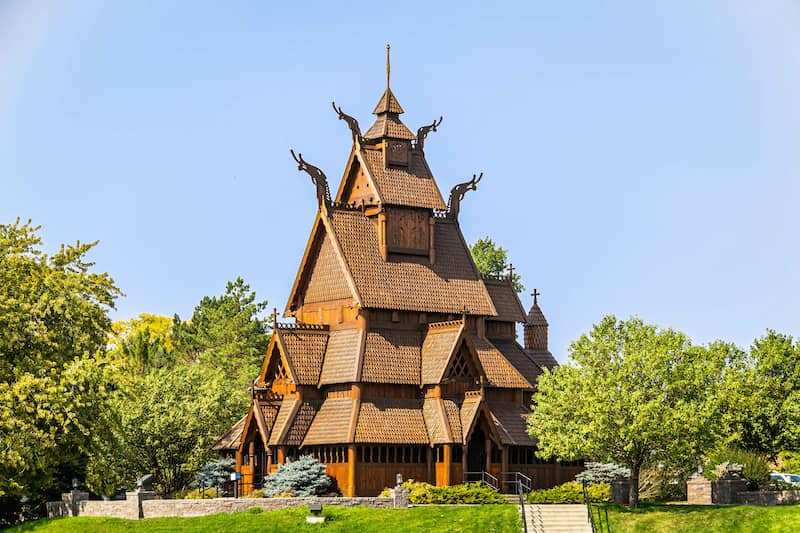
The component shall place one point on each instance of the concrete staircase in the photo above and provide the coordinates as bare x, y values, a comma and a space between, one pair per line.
557, 518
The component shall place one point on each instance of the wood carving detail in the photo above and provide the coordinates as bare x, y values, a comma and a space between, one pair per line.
423, 132
352, 123
318, 178
407, 229
458, 192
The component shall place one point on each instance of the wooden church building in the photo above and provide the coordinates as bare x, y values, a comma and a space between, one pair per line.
402, 358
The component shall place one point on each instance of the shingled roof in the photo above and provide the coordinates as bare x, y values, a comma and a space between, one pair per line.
437, 349
392, 356
231, 439
499, 371
411, 186
522, 360
391, 420
505, 300
543, 358
450, 285
331, 425
342, 357
304, 350
510, 420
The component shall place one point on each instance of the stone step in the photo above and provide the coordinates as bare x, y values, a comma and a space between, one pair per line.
557, 518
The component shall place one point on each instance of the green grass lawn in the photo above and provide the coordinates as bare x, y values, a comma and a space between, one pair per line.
478, 518
702, 519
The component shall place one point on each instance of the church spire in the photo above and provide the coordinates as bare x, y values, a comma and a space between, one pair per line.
388, 124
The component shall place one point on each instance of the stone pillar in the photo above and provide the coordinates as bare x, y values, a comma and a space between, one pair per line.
399, 497
621, 491
698, 490
725, 491
72, 501
134, 502
448, 468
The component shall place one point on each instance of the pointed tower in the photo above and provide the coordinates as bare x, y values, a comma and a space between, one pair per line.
536, 328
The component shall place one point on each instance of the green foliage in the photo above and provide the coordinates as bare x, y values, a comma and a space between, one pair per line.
465, 519
425, 493
664, 484
303, 477
54, 376
144, 343
763, 401
492, 260
215, 473
166, 426
789, 461
226, 332
602, 473
756, 466
571, 492
633, 394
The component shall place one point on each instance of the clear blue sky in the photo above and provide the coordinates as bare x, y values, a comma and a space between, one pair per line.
640, 158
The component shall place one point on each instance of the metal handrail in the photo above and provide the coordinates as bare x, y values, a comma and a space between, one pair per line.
517, 477
589, 507
486, 478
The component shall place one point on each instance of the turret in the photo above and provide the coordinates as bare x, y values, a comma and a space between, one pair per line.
536, 327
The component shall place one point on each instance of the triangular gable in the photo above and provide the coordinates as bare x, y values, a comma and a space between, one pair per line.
441, 343
322, 269
276, 362
472, 411
356, 173
253, 420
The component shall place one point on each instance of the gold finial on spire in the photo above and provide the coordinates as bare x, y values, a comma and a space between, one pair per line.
388, 69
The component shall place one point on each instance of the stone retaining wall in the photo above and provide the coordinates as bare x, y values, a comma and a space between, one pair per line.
142, 504
775, 497
158, 508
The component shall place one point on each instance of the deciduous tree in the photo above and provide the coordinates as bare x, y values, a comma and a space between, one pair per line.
492, 260
633, 394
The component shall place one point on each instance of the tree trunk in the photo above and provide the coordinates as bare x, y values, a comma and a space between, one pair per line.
633, 495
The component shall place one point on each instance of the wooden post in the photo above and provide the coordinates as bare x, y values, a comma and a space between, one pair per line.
463, 461
281, 454
431, 469
269, 461
448, 468
351, 470
503, 462
488, 454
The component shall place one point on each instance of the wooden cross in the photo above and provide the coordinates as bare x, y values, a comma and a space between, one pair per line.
511, 271
535, 295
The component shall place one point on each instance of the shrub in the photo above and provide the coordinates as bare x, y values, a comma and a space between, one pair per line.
756, 465
303, 477
603, 473
571, 492
215, 474
199, 494
664, 483
421, 493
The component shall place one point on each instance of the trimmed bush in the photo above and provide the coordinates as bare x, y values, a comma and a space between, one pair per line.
303, 477
421, 493
603, 473
571, 492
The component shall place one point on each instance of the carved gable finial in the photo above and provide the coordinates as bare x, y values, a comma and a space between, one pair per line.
423, 132
352, 123
457, 194
318, 178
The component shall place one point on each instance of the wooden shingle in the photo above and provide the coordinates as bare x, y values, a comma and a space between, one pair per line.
436, 421
327, 281
498, 370
510, 419
391, 421
450, 285
410, 186
519, 358
392, 356
285, 414
505, 300
438, 347
331, 425
304, 351
342, 356
231, 439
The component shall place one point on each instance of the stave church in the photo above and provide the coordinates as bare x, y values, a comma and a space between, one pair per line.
401, 357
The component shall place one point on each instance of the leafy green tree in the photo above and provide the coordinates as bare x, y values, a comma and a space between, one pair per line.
762, 406
144, 342
54, 376
168, 419
226, 332
633, 394
492, 260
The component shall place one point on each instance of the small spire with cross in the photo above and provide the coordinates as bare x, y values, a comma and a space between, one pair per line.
511, 271
535, 295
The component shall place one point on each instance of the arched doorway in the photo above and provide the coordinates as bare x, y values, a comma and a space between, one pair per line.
476, 451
